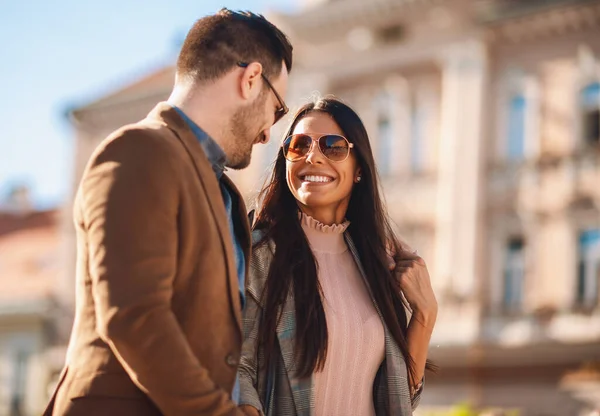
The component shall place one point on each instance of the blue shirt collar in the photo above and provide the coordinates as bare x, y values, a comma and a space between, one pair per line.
215, 155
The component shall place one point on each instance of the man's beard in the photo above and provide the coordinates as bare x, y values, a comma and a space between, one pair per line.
244, 133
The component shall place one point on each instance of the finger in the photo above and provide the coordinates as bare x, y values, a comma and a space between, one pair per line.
400, 281
406, 255
391, 261
408, 263
400, 272
412, 258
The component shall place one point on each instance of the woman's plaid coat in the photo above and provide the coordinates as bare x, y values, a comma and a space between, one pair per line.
291, 395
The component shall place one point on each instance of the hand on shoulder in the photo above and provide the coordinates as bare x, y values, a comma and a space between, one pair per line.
412, 278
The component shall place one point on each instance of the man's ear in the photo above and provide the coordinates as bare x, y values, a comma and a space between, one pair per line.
250, 81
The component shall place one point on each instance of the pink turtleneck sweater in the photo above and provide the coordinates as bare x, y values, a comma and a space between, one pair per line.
356, 346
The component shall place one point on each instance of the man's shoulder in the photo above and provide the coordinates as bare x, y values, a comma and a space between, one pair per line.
151, 133
146, 139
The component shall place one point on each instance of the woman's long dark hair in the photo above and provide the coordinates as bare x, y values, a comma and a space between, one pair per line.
294, 266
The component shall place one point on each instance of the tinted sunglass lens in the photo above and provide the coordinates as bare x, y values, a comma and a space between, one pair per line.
296, 147
334, 147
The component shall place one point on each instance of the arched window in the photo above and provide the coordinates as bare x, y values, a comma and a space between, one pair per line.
589, 268
516, 127
514, 274
590, 106
385, 134
417, 137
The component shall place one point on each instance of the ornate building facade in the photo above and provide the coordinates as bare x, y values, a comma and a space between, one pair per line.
484, 117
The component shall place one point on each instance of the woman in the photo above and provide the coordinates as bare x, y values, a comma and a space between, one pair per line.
325, 327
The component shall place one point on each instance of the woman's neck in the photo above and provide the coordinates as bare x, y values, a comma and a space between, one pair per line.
324, 238
328, 215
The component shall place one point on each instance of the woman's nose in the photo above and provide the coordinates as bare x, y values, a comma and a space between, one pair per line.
314, 154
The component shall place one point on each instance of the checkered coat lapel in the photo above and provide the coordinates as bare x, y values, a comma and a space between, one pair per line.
391, 391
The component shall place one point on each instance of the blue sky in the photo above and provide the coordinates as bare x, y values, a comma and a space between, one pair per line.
55, 54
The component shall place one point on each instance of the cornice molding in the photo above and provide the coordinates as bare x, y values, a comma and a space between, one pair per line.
546, 23
335, 15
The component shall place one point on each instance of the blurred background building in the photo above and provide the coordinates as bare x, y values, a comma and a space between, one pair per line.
31, 243
485, 121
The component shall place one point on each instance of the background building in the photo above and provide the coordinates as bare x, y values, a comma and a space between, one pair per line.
31, 339
485, 118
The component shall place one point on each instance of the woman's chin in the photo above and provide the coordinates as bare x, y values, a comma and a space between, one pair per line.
314, 201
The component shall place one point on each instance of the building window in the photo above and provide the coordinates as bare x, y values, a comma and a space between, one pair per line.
384, 145
417, 140
590, 105
516, 128
588, 268
514, 274
17, 396
390, 34
384, 109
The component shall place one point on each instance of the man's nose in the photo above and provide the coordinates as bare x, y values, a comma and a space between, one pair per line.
266, 136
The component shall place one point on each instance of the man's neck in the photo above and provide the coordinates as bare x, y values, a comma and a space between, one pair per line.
208, 113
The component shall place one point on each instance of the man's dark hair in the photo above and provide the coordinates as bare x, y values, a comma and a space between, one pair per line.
216, 43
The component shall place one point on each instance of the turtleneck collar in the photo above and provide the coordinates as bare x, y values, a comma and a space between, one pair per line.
324, 238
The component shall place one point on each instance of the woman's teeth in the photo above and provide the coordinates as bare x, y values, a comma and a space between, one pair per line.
314, 178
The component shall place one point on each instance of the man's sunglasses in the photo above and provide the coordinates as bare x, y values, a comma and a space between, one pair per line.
333, 146
283, 109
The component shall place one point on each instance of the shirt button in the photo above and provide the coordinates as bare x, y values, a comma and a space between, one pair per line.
231, 360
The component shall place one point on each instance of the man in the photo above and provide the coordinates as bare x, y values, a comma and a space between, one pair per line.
163, 237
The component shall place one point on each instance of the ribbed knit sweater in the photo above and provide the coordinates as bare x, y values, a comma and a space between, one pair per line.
356, 336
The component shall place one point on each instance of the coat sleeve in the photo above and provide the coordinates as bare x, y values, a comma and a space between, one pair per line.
248, 369
129, 198
416, 397
249, 372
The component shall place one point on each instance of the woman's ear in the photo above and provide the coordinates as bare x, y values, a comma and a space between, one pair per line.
357, 176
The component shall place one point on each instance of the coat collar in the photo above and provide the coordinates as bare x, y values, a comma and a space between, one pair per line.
215, 155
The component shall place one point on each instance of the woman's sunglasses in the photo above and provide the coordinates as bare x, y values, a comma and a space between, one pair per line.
333, 146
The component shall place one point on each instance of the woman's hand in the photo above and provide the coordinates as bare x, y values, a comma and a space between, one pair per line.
412, 278
249, 410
